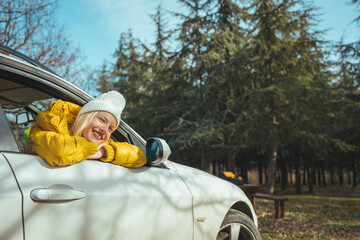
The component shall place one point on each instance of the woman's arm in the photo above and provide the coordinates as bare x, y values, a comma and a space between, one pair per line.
124, 154
59, 149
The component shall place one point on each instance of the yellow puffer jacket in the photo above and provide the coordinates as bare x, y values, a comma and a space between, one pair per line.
51, 139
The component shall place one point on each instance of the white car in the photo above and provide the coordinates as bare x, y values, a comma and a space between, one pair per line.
97, 200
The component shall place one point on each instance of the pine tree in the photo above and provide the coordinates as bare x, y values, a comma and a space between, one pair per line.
130, 76
141, 74
285, 79
210, 37
192, 67
349, 100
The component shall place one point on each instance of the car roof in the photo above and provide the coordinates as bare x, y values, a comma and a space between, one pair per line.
23, 81
15, 95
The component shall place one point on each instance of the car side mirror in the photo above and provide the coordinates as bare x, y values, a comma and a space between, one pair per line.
157, 150
24, 118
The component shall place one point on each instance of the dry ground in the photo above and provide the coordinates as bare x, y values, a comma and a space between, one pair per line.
331, 212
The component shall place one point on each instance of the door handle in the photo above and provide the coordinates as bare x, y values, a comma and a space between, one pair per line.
57, 193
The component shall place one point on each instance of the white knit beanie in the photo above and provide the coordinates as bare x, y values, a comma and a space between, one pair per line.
112, 102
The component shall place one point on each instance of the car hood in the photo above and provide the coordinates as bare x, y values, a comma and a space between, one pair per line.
206, 186
193, 176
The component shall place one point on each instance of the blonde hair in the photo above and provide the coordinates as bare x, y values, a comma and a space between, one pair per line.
81, 122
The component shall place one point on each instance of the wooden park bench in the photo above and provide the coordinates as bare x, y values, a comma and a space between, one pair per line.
277, 199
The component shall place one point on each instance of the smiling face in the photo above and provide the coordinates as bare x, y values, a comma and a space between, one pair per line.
100, 128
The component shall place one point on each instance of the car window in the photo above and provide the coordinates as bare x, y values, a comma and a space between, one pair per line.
21, 131
17, 130
32, 90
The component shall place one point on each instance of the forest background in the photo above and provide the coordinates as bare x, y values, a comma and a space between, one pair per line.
236, 85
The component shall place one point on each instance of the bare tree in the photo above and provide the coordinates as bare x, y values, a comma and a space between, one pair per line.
31, 27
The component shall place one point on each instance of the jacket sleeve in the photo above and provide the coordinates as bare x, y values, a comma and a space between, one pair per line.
124, 154
59, 149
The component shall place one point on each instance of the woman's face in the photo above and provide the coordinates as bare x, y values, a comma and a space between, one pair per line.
100, 128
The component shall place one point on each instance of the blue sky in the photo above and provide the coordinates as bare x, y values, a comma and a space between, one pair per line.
95, 25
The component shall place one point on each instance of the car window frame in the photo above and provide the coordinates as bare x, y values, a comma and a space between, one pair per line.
56, 87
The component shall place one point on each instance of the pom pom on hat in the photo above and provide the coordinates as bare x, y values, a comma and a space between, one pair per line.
112, 102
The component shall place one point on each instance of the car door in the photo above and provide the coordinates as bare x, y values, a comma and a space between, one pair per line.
10, 204
96, 200
11, 226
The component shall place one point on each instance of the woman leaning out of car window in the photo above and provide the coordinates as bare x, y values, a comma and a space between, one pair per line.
66, 134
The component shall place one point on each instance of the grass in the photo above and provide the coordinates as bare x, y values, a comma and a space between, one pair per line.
331, 212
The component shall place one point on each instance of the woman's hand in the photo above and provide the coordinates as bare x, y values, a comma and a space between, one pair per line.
101, 153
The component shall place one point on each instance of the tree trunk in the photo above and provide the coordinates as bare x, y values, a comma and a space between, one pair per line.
354, 172
290, 174
340, 174
313, 172
277, 176
203, 165
284, 174
311, 175
215, 170
260, 164
297, 176
304, 172
318, 174
265, 168
349, 176
244, 171
323, 173
231, 163
206, 165
271, 169
332, 181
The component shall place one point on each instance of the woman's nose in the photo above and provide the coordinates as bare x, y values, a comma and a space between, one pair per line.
102, 129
